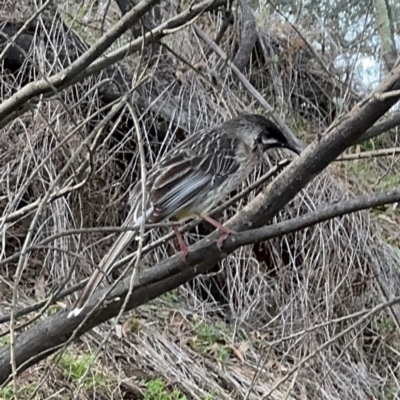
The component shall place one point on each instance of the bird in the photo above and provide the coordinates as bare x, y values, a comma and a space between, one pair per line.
190, 179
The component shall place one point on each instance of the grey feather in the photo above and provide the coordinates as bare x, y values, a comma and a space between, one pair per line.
194, 175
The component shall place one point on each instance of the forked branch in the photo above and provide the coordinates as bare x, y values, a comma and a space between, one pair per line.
46, 337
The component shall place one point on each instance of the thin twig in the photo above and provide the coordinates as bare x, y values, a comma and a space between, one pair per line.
370, 154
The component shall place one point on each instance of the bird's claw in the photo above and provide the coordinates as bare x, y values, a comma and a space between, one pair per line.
226, 232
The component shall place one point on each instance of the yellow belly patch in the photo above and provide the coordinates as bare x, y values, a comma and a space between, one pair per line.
185, 213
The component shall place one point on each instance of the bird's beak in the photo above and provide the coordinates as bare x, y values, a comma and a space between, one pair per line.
295, 148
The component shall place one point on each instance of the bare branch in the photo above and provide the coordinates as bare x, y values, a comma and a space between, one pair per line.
370, 154
386, 32
289, 134
339, 335
228, 19
11, 41
66, 77
317, 156
41, 340
383, 96
380, 128
171, 273
85, 65
248, 36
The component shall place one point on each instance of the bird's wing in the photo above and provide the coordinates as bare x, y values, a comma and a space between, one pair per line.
190, 172
182, 175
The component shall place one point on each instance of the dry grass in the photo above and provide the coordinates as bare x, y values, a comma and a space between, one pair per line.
236, 333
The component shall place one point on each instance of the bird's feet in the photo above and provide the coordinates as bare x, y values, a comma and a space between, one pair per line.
225, 231
182, 245
183, 253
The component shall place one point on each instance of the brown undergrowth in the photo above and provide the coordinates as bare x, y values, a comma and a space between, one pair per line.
245, 330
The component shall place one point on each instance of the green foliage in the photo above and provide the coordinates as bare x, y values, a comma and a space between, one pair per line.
365, 173
389, 391
170, 296
209, 396
210, 341
134, 324
7, 392
76, 367
156, 390
386, 326
24, 392
5, 339
53, 308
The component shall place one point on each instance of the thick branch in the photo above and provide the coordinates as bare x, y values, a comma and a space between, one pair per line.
386, 32
46, 337
43, 339
318, 155
389, 123
248, 36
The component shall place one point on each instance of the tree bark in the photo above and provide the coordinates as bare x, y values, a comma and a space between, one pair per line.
248, 36
386, 32
381, 127
46, 337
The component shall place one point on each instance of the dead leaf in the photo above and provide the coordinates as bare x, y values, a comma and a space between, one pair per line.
180, 321
240, 350
126, 328
40, 288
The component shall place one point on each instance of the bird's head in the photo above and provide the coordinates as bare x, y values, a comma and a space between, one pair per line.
261, 134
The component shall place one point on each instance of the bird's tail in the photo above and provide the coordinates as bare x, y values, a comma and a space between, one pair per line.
111, 257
